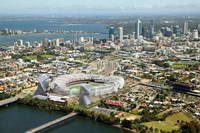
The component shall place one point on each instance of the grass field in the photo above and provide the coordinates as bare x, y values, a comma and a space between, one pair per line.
129, 116
160, 115
178, 116
47, 56
79, 86
182, 65
161, 125
35, 57
136, 111
75, 87
171, 122
95, 85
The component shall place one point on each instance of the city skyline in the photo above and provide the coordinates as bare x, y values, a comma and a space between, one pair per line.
89, 7
115, 66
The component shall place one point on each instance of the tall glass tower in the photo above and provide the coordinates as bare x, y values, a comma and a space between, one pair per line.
138, 29
111, 32
121, 34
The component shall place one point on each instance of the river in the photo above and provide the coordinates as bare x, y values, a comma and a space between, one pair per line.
18, 118
56, 25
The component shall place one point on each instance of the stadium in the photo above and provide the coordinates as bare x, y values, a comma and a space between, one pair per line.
83, 85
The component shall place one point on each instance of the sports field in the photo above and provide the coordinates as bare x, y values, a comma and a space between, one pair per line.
171, 123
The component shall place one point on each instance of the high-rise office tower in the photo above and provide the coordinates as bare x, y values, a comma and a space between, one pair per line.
45, 42
27, 44
81, 39
195, 34
111, 33
198, 28
145, 31
185, 28
20, 42
152, 28
138, 29
177, 30
121, 34
91, 40
7, 31
166, 31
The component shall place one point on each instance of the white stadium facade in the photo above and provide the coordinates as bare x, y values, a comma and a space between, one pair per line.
83, 85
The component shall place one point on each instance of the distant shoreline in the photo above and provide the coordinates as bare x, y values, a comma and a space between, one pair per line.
42, 33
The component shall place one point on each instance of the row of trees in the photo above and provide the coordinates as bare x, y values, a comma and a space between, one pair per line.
48, 105
4, 95
192, 127
67, 108
101, 117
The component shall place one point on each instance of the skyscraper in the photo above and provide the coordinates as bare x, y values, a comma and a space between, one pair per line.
112, 33
185, 28
138, 29
145, 31
198, 27
177, 30
20, 42
152, 28
121, 34
195, 34
27, 44
166, 31
45, 42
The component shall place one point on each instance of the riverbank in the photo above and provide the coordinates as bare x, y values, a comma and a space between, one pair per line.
126, 129
82, 111
4, 95
51, 33
19, 118
47, 105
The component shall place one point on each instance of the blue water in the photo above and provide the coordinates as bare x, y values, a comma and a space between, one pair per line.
20, 118
17, 118
83, 125
51, 26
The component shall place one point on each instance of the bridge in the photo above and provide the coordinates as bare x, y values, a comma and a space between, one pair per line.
11, 100
51, 124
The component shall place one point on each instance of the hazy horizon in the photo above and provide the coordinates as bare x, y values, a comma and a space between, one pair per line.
97, 7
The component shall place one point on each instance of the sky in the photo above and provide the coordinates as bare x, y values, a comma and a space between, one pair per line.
98, 6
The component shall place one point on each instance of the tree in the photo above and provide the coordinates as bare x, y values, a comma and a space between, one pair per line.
126, 123
133, 105
151, 129
176, 131
156, 130
192, 127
